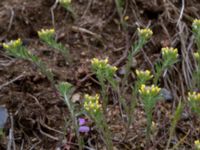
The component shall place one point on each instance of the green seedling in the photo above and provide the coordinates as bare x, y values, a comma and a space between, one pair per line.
194, 102
66, 90
105, 73
16, 49
67, 5
94, 110
169, 58
175, 120
48, 37
150, 96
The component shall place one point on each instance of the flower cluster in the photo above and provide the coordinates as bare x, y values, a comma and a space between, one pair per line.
145, 33
196, 25
194, 96
45, 34
197, 145
12, 44
143, 76
170, 53
65, 3
102, 68
91, 104
194, 101
83, 128
149, 91
197, 56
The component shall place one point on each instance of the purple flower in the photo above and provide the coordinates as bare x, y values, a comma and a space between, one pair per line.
84, 129
81, 121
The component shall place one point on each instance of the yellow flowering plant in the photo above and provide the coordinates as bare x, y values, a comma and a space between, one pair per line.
48, 37
105, 73
144, 37
194, 101
93, 108
17, 49
169, 58
150, 96
143, 76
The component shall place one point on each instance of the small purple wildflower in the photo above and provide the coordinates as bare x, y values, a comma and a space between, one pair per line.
81, 121
83, 128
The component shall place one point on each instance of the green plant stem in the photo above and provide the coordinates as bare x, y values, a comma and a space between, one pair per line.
175, 120
134, 51
103, 127
103, 93
75, 124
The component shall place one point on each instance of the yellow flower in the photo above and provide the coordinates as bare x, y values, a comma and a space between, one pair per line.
145, 33
196, 24
144, 75
149, 90
46, 33
196, 55
170, 52
197, 144
103, 65
91, 103
194, 96
12, 44
65, 2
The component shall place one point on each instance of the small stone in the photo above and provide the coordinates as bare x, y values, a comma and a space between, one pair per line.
134, 63
167, 95
3, 116
83, 54
122, 71
76, 97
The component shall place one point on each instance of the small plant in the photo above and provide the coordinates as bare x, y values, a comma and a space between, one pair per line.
48, 37
94, 110
149, 95
142, 78
66, 90
194, 101
144, 36
170, 57
196, 73
105, 73
196, 32
16, 49
197, 145
67, 5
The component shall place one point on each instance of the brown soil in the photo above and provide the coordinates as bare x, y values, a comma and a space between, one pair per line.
40, 115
